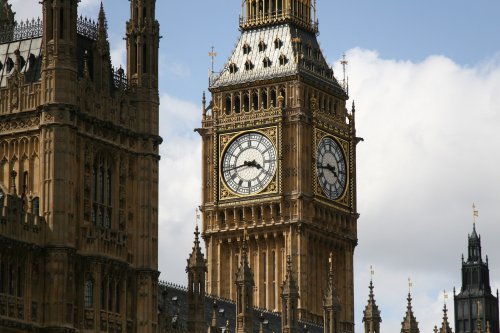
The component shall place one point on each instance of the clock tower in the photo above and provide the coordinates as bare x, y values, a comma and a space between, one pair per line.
279, 164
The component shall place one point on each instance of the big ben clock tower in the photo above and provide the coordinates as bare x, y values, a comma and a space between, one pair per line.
279, 163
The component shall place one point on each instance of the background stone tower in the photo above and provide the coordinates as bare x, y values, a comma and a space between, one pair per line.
79, 175
279, 158
475, 303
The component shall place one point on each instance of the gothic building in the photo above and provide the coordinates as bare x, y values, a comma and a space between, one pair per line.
279, 161
475, 306
78, 173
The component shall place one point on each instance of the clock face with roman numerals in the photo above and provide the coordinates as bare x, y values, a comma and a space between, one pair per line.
249, 163
331, 168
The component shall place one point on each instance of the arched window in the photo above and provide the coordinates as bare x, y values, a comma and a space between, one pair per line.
246, 49
237, 105
89, 294
233, 68
246, 103
10, 64
228, 105
248, 65
102, 189
267, 62
264, 99
273, 98
283, 60
255, 101
278, 43
262, 46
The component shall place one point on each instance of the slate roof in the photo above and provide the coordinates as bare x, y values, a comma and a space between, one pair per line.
30, 53
176, 304
255, 46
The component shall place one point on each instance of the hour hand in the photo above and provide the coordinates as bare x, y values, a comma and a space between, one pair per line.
245, 164
330, 168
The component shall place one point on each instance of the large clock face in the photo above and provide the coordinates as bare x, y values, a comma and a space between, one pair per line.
331, 167
249, 163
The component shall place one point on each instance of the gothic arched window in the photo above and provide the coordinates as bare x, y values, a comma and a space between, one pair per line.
248, 65
246, 49
89, 293
233, 68
262, 46
267, 62
102, 192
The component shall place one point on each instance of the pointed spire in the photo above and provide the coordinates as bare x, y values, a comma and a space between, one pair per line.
244, 285
371, 314
102, 32
196, 259
196, 269
409, 324
290, 301
445, 326
331, 302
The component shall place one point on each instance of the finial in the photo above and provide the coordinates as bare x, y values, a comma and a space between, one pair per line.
353, 107
13, 175
435, 329
212, 54
410, 285
197, 230
475, 214
344, 64
445, 297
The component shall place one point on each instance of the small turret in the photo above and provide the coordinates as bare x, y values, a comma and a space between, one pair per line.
445, 326
409, 324
290, 300
244, 286
331, 303
196, 269
143, 38
371, 314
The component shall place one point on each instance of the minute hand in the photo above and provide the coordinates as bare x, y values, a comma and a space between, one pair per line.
330, 168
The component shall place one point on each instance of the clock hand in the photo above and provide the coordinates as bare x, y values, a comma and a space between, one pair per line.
330, 168
245, 164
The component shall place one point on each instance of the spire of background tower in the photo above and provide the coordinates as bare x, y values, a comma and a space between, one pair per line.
409, 323
371, 314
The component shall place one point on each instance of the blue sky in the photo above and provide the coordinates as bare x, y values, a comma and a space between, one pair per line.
425, 76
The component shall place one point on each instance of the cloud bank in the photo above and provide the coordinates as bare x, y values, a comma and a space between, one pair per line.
431, 149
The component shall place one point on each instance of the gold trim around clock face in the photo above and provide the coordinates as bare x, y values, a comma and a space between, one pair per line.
344, 147
225, 142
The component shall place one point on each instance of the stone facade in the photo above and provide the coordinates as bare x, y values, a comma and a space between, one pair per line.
78, 174
278, 101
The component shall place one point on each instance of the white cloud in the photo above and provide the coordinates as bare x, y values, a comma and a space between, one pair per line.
431, 149
180, 179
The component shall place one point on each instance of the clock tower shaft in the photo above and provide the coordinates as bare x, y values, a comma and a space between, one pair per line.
278, 84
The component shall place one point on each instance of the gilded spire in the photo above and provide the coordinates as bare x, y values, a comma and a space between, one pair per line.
409, 324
